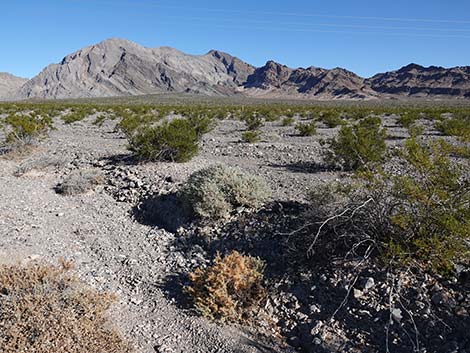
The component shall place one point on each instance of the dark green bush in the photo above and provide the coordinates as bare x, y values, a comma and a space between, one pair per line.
202, 124
287, 121
331, 119
174, 141
408, 118
458, 125
307, 129
358, 145
23, 130
251, 136
416, 130
253, 121
431, 219
77, 114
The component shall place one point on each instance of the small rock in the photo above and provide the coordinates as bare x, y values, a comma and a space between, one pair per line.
397, 315
369, 283
357, 293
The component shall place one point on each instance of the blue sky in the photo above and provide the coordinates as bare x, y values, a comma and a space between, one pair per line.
364, 36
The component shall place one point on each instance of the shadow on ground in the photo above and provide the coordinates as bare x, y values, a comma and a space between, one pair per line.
305, 167
123, 159
335, 319
167, 211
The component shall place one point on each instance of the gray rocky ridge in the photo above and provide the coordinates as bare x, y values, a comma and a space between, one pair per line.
9, 85
118, 67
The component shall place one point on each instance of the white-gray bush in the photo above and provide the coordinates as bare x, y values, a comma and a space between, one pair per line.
80, 182
214, 192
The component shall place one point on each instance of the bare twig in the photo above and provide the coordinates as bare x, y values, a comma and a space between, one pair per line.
310, 249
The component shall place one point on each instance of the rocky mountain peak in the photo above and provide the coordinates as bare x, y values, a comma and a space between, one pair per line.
119, 67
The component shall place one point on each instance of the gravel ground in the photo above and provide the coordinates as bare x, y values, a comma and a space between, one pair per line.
110, 249
113, 251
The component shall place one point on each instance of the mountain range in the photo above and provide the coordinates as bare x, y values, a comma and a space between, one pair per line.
118, 67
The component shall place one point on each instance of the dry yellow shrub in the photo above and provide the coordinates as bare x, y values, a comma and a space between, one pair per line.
46, 309
230, 289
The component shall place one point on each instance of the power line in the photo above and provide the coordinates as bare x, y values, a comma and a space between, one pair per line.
330, 25
308, 27
159, 4
308, 30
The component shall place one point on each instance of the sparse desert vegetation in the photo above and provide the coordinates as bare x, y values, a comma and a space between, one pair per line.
346, 228
46, 308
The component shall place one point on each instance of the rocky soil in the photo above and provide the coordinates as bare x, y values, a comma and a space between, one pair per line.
116, 246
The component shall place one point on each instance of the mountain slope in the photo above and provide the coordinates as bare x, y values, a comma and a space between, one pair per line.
418, 81
9, 85
275, 79
117, 67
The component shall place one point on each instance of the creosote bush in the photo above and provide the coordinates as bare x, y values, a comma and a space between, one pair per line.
229, 290
216, 191
46, 309
431, 220
331, 119
24, 130
458, 125
251, 136
287, 121
307, 129
253, 121
202, 124
358, 145
174, 141
420, 216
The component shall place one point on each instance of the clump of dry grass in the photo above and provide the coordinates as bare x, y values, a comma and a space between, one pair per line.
40, 164
46, 309
229, 290
80, 182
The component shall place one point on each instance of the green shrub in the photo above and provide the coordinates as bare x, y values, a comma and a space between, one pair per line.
418, 216
432, 217
307, 129
289, 113
25, 129
253, 121
202, 124
287, 121
76, 115
331, 119
251, 136
215, 192
174, 141
416, 130
358, 145
229, 290
408, 118
458, 125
